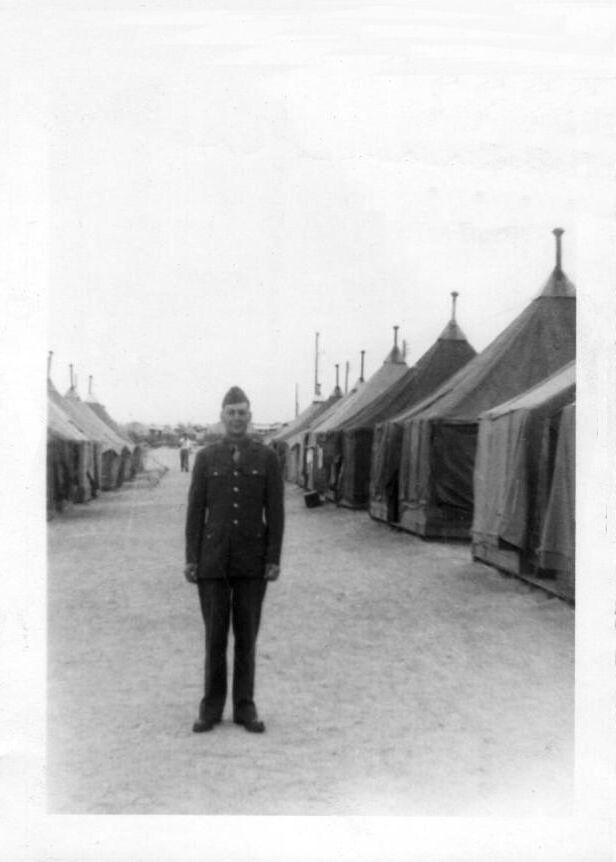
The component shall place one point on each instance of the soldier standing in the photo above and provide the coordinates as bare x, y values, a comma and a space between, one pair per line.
234, 527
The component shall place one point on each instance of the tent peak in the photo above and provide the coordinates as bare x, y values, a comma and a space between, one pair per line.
452, 332
357, 385
72, 390
337, 391
395, 356
558, 284
91, 397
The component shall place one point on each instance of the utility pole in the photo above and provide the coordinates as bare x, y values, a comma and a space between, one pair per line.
317, 385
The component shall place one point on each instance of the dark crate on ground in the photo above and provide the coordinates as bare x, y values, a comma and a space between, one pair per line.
312, 499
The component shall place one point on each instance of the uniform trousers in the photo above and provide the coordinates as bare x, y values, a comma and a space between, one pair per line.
239, 601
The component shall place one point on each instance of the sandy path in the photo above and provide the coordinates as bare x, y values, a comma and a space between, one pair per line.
395, 676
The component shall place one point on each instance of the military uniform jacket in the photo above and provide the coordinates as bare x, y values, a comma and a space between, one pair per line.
235, 516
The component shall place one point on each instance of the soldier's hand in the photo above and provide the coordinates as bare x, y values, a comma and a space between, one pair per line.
272, 572
190, 573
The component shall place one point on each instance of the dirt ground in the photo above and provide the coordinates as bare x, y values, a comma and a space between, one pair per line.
395, 676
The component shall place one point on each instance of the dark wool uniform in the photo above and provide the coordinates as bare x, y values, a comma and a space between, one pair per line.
234, 527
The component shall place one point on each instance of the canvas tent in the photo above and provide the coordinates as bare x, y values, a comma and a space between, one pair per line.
91, 466
105, 460
440, 434
312, 471
331, 439
557, 546
446, 356
66, 460
515, 478
289, 441
132, 454
327, 436
112, 446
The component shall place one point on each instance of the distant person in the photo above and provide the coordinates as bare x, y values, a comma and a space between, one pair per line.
185, 454
234, 527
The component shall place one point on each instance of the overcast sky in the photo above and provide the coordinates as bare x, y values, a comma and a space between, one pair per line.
225, 181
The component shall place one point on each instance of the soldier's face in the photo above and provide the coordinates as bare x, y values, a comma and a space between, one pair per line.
236, 419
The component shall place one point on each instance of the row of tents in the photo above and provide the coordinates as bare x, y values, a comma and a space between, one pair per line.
461, 445
87, 451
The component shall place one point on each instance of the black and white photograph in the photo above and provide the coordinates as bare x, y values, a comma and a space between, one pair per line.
309, 373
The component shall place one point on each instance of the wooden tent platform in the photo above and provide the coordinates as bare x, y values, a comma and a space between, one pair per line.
512, 562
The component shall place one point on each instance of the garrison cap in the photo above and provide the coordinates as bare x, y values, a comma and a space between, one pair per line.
235, 395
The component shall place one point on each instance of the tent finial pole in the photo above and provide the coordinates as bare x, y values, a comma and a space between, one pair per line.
90, 385
71, 373
361, 375
454, 296
49, 358
346, 376
558, 232
396, 328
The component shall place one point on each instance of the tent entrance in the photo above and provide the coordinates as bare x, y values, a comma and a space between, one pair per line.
438, 500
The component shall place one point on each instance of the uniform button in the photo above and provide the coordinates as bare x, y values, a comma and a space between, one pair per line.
236, 505
235, 473
236, 522
236, 489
